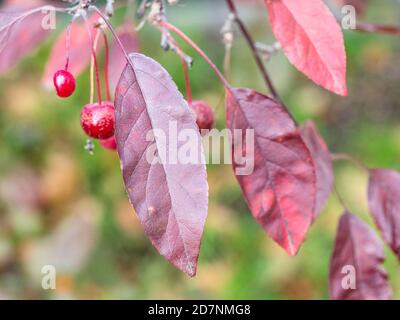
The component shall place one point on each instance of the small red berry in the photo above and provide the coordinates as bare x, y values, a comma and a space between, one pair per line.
109, 144
97, 120
204, 114
64, 82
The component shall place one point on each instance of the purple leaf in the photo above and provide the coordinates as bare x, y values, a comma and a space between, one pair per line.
323, 164
384, 203
355, 269
21, 32
130, 41
170, 199
280, 191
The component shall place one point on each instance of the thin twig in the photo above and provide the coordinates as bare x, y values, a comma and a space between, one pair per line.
366, 27
253, 48
347, 157
267, 51
197, 48
187, 82
68, 46
172, 45
227, 39
340, 198
93, 50
114, 34
106, 68
377, 28
96, 40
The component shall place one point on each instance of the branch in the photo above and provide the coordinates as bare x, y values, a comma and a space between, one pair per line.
377, 28
114, 34
366, 27
347, 157
253, 48
195, 47
93, 50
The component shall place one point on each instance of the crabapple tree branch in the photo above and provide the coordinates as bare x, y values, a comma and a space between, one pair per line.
347, 157
378, 28
195, 47
253, 48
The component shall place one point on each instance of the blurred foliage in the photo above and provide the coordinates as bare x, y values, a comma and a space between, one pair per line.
59, 205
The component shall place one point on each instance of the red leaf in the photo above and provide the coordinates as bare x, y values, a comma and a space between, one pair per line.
358, 252
79, 53
384, 203
312, 40
170, 199
280, 191
130, 41
322, 161
21, 32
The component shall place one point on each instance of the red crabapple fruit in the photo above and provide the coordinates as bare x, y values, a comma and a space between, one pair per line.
97, 120
64, 83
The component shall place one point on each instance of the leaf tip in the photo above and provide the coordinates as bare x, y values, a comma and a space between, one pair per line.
191, 270
292, 251
341, 91
293, 247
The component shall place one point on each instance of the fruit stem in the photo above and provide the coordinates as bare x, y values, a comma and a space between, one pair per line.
189, 41
96, 40
114, 34
187, 82
107, 65
96, 67
68, 46
347, 157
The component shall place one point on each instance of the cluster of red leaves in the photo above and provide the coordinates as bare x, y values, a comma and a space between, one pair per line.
292, 176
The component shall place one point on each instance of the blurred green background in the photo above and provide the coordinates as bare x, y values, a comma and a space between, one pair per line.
59, 205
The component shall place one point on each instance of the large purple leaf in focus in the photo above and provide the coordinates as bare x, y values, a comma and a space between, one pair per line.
358, 253
129, 39
384, 203
281, 189
170, 199
322, 161
21, 32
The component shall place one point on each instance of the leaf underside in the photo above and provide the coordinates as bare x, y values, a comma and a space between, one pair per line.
171, 200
